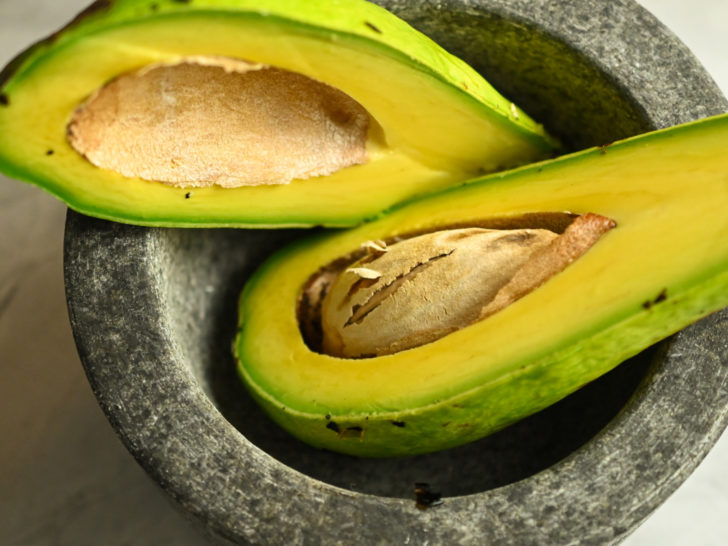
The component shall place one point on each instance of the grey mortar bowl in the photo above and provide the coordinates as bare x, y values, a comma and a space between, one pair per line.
154, 313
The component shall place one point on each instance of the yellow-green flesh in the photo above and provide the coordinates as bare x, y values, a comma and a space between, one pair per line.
436, 133
668, 193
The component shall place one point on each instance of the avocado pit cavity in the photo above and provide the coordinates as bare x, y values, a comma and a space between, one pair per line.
208, 121
419, 289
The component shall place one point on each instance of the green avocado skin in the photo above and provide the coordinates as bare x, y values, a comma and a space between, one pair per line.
533, 381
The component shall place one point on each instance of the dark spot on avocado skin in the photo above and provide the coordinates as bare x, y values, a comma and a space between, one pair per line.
182, 1
348, 432
373, 27
49, 152
4, 100
662, 296
400, 424
154, 7
188, 195
352, 432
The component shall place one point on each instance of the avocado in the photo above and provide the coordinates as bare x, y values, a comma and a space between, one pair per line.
250, 113
661, 265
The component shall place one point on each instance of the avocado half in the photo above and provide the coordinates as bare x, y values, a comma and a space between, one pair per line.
663, 266
431, 120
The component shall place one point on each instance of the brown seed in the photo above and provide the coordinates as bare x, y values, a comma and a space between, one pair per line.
212, 120
428, 286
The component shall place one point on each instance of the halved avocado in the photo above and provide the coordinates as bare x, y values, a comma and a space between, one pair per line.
431, 121
663, 266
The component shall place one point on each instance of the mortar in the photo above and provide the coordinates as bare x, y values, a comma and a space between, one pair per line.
154, 313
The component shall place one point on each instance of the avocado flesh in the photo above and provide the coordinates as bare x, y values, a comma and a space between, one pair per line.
664, 266
441, 122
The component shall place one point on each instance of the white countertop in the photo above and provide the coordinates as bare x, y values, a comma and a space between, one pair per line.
65, 478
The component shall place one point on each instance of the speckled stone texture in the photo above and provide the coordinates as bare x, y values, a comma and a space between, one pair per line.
154, 313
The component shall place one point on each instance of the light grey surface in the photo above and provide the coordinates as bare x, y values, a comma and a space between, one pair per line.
65, 479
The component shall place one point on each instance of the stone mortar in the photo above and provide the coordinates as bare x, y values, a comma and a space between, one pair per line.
154, 313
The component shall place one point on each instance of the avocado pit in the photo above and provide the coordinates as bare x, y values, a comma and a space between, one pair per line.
207, 121
419, 289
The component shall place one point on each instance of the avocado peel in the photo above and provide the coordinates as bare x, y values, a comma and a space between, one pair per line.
663, 267
46, 84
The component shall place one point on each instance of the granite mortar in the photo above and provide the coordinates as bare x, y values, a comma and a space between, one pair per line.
154, 312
